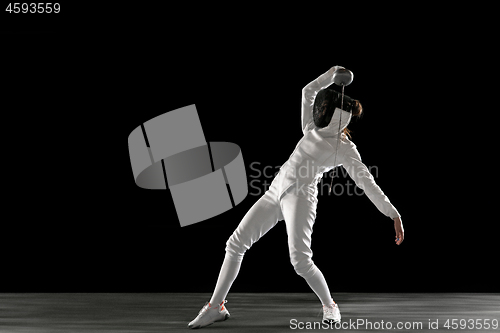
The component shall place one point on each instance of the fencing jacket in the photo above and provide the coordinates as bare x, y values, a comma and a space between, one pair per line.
315, 152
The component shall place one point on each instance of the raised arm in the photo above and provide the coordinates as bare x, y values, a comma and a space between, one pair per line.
364, 180
309, 92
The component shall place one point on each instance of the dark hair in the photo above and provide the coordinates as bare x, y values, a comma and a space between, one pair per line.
325, 103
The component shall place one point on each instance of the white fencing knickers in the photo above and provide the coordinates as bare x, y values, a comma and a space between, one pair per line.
297, 207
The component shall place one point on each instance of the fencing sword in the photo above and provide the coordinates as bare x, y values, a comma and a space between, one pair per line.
342, 77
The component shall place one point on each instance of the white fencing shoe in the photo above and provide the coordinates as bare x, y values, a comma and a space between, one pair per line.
331, 313
209, 314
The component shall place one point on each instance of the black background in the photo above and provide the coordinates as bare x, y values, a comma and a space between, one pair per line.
75, 85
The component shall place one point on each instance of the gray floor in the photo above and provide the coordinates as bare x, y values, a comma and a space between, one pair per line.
249, 312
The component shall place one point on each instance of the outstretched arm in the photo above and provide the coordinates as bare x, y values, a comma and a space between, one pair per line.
364, 180
309, 93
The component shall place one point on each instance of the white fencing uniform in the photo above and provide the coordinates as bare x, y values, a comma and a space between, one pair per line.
292, 195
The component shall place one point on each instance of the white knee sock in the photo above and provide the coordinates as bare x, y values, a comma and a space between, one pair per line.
318, 284
227, 275
229, 272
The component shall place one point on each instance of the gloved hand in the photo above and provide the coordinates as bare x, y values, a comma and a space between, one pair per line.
334, 69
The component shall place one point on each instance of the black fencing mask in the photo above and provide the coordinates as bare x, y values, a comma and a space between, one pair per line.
325, 103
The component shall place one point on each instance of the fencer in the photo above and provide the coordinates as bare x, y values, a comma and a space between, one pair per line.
292, 197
